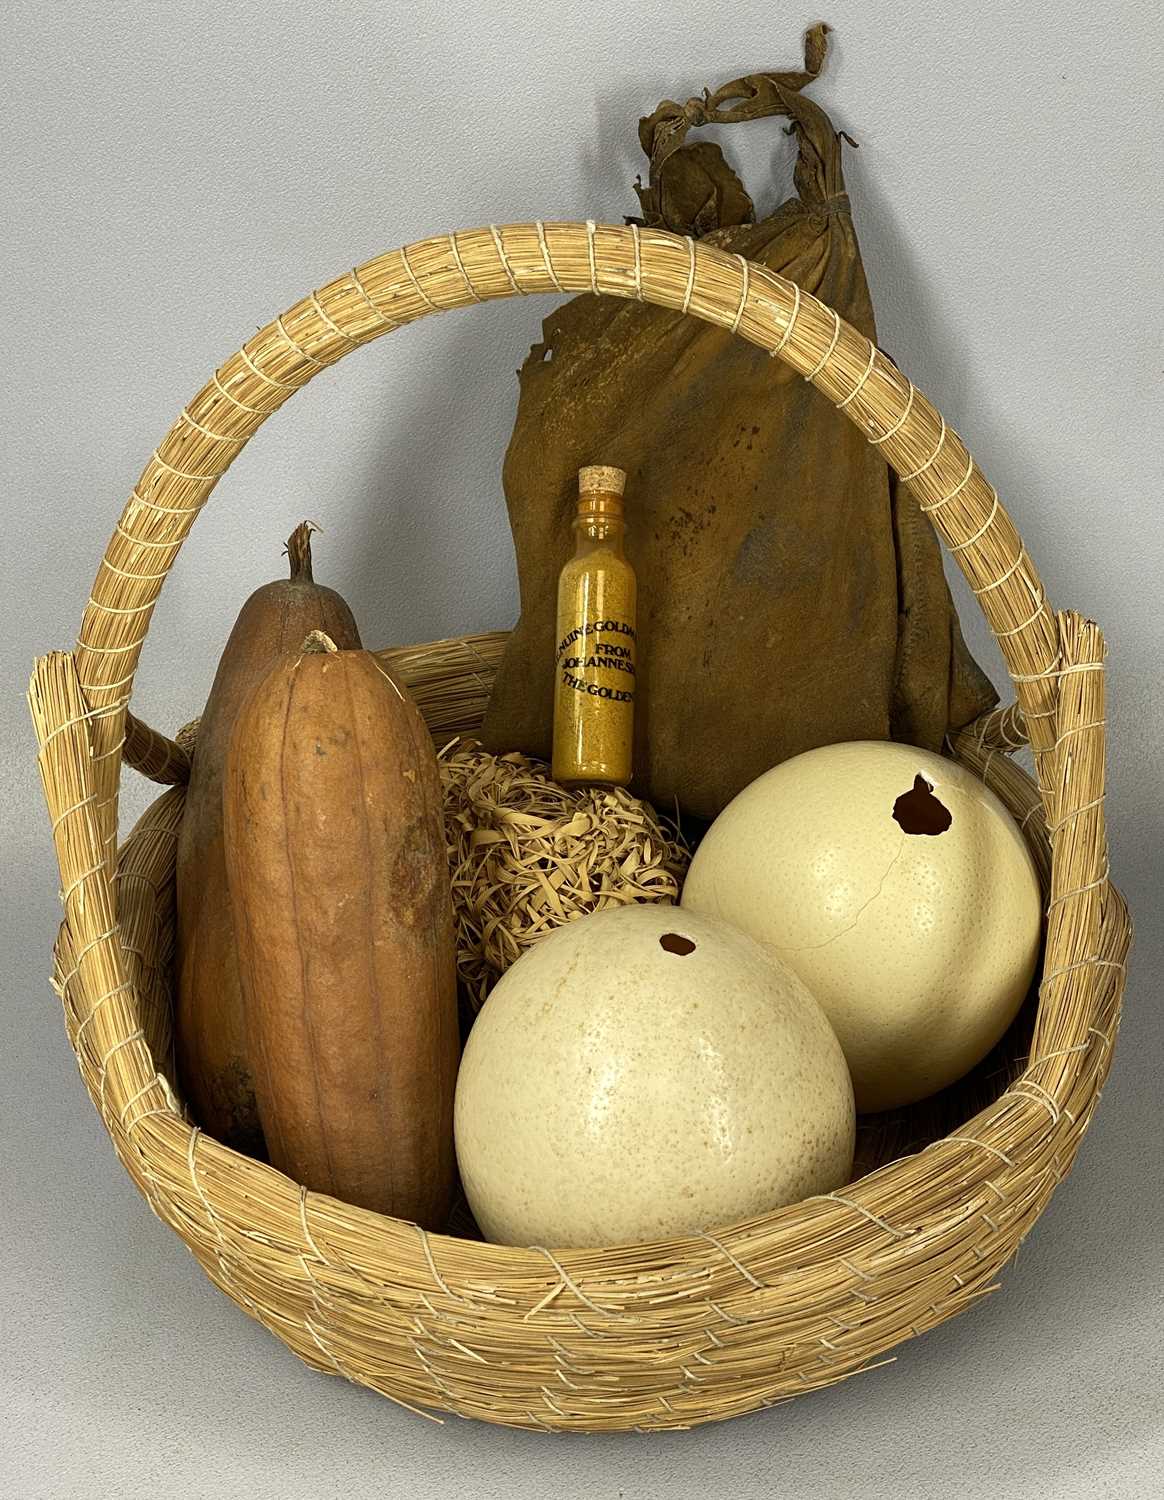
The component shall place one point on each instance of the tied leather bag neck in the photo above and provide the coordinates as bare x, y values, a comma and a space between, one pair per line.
789, 596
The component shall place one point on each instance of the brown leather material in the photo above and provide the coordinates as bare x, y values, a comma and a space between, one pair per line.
789, 596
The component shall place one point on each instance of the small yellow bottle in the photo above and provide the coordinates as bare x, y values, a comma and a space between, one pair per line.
594, 685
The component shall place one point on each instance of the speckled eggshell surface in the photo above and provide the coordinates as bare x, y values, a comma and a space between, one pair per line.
919, 946
613, 1090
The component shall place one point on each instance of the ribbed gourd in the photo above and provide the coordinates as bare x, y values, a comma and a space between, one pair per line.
343, 909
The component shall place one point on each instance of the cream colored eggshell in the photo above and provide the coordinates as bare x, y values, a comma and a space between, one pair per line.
919, 948
612, 1091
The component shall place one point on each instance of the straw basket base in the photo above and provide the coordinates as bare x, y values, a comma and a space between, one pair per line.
451, 680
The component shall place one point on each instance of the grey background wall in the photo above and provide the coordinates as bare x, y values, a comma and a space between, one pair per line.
176, 174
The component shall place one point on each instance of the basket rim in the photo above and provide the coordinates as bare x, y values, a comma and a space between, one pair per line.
317, 1265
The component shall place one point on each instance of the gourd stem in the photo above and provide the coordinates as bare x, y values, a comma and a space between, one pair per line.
318, 641
299, 552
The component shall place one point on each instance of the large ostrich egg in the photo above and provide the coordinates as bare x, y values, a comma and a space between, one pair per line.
647, 1073
900, 890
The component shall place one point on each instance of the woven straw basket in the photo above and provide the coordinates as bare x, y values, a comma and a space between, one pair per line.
644, 1336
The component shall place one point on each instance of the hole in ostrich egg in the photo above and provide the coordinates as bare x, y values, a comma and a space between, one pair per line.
675, 942
919, 811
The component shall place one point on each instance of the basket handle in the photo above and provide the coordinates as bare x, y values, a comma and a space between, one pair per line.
154, 755
480, 265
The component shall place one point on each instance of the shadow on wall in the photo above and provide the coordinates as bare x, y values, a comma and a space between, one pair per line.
460, 400
426, 524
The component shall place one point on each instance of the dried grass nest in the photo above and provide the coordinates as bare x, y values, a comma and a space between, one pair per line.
527, 855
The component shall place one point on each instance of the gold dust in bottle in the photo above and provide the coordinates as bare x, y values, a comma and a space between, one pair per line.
594, 688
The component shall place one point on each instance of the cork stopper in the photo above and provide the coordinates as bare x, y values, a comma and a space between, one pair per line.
602, 477
600, 488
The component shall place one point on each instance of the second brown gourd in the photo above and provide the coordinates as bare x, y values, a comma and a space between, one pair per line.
340, 888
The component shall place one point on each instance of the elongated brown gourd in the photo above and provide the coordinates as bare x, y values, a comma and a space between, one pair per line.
343, 910
210, 1037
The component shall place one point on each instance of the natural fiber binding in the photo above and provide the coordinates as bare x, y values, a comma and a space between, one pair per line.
650, 1336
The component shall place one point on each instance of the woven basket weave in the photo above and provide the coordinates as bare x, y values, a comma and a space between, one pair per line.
647, 1336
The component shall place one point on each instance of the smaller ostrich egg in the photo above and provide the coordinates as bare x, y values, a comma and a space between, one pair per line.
900, 890
647, 1073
